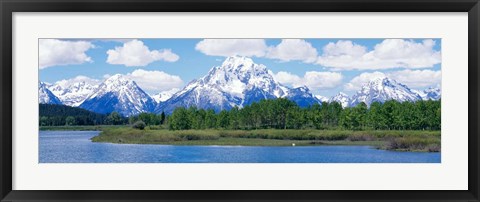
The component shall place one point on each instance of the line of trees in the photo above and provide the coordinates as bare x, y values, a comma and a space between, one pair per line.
61, 115
285, 114
267, 114
148, 118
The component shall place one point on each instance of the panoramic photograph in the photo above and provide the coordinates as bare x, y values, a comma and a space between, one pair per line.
272, 100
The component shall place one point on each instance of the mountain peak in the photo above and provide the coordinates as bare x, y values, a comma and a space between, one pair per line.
383, 89
341, 98
430, 93
74, 91
238, 81
121, 94
117, 78
240, 64
380, 82
237, 60
45, 96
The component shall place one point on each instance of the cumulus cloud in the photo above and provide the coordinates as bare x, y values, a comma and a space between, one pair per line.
322, 80
288, 78
230, 47
293, 49
357, 82
54, 52
390, 53
312, 79
287, 50
418, 78
155, 81
136, 54
68, 82
411, 78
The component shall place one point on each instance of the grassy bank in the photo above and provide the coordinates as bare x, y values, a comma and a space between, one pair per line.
78, 128
425, 141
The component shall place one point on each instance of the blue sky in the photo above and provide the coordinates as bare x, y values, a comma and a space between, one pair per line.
326, 66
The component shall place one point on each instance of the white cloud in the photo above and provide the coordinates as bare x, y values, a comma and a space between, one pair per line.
417, 78
313, 80
119, 40
54, 52
322, 80
293, 49
411, 78
155, 81
357, 82
68, 82
287, 50
288, 78
135, 53
390, 53
231, 47
344, 48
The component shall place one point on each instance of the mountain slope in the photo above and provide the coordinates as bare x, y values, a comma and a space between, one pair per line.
302, 96
165, 95
321, 98
119, 94
383, 89
45, 96
341, 98
73, 94
430, 93
237, 82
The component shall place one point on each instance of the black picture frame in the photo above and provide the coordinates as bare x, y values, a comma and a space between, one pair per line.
7, 7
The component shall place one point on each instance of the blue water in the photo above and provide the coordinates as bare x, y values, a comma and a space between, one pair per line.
76, 147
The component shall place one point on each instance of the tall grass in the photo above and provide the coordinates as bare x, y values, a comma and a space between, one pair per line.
417, 143
393, 140
129, 135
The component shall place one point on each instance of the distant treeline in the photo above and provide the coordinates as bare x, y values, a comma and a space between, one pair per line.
61, 115
285, 114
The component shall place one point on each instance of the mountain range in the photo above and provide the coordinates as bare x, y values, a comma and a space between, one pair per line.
237, 82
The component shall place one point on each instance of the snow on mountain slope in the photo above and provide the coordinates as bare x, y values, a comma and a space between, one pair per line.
429, 93
45, 96
164, 95
74, 92
237, 82
321, 98
383, 89
119, 94
341, 98
302, 96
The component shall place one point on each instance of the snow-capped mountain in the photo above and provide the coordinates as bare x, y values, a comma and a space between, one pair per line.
301, 96
119, 94
321, 98
164, 95
430, 93
237, 82
73, 94
45, 96
383, 89
341, 98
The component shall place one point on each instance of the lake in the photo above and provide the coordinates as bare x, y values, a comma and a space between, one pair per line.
76, 147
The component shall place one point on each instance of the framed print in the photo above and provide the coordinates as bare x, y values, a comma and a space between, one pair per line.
239, 101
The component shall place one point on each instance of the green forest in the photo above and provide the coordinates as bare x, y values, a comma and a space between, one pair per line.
285, 114
267, 114
61, 115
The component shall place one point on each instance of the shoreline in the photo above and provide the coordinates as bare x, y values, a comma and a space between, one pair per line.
394, 140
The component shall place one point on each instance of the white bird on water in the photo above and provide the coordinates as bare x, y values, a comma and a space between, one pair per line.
293, 144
